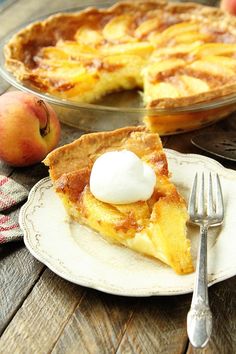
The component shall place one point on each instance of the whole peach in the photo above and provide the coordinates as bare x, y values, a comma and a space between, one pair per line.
29, 128
229, 6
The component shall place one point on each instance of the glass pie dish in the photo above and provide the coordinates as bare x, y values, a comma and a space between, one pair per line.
124, 108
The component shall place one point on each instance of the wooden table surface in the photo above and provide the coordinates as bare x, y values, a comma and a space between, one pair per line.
43, 313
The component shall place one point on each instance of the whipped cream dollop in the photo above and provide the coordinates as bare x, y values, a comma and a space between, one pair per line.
121, 177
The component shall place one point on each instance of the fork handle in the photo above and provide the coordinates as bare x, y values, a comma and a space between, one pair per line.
199, 319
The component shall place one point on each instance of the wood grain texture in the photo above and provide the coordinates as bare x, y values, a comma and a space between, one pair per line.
223, 304
3, 86
19, 270
97, 325
205, 2
5, 3
18, 273
5, 170
182, 142
22, 11
42, 313
157, 326
42, 317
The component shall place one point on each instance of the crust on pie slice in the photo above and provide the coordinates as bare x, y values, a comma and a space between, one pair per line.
156, 227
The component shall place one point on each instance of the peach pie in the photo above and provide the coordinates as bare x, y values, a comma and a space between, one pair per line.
176, 53
155, 227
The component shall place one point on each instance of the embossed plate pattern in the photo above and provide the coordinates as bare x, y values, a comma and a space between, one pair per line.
80, 255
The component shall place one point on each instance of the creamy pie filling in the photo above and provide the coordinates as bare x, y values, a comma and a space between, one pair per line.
168, 50
171, 67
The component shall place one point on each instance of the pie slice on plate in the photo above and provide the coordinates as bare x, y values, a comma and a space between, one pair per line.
155, 227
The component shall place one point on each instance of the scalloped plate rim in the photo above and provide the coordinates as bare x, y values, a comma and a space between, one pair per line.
113, 290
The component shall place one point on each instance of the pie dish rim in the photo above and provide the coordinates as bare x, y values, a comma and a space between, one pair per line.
218, 102
24, 219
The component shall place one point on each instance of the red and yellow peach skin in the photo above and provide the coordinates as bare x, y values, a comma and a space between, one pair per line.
29, 128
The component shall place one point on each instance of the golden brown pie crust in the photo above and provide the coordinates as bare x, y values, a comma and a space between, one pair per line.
130, 224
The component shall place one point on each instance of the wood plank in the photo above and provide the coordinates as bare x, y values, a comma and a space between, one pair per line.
99, 321
182, 143
18, 273
5, 169
27, 11
205, 2
21, 11
39, 322
3, 86
157, 326
18, 269
222, 298
5, 3
97, 324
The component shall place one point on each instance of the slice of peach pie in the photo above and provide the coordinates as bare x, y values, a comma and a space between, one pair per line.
155, 225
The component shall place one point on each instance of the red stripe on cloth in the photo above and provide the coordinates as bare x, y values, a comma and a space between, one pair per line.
8, 200
4, 218
2, 239
3, 204
3, 181
10, 227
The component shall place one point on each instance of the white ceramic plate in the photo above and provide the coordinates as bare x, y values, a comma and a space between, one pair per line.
80, 255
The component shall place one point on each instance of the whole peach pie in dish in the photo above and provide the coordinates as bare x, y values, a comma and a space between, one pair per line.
178, 54
155, 227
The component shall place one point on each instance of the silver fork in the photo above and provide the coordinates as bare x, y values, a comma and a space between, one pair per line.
211, 213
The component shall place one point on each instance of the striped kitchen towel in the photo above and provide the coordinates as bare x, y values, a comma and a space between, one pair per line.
11, 193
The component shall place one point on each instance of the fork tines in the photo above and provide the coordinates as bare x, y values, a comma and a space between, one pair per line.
201, 205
